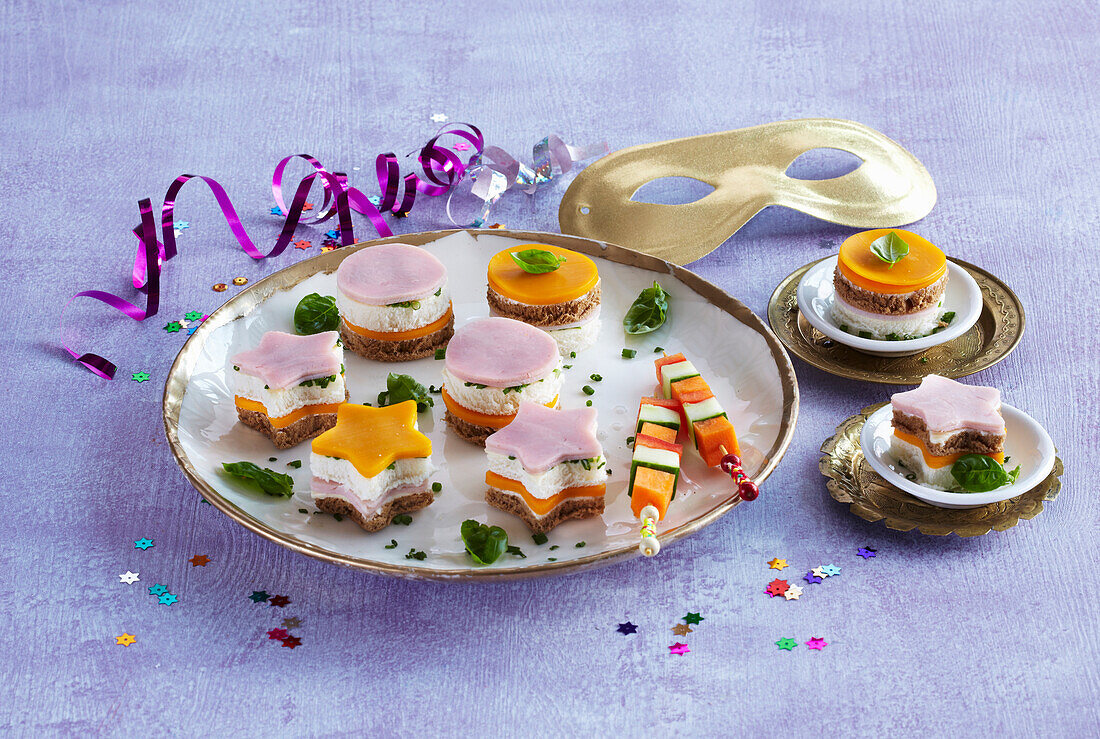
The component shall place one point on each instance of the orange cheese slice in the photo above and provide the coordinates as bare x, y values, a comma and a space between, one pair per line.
576, 276
937, 462
281, 422
412, 333
542, 506
921, 267
482, 419
374, 438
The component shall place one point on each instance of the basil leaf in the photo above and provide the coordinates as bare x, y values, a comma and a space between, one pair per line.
536, 261
977, 473
648, 311
484, 543
889, 248
316, 313
400, 388
261, 478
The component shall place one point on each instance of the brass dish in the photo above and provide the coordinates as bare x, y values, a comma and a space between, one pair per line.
248, 300
996, 333
869, 496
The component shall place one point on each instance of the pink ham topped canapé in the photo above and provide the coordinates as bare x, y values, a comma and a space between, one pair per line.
945, 405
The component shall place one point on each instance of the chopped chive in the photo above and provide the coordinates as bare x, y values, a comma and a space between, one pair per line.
441, 353
658, 349
295, 463
436, 487
588, 403
392, 544
272, 459
595, 378
337, 516
302, 510
629, 353
402, 519
587, 390
553, 547
579, 545
540, 538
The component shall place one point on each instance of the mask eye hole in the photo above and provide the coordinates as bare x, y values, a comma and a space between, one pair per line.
823, 164
672, 191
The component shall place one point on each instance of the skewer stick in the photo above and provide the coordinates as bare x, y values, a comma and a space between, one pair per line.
649, 546
731, 465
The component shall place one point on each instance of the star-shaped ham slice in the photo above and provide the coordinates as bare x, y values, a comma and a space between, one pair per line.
946, 405
282, 360
374, 438
542, 437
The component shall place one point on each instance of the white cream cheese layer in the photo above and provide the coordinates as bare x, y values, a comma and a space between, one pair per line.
283, 401
880, 326
391, 318
543, 485
413, 471
913, 458
495, 401
576, 338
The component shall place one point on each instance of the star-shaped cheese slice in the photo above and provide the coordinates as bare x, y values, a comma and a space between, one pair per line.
778, 564
282, 360
541, 437
374, 438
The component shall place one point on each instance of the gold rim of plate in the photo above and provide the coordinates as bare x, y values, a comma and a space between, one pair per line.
996, 333
254, 295
851, 480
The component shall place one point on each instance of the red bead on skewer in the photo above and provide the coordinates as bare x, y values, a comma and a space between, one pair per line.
746, 488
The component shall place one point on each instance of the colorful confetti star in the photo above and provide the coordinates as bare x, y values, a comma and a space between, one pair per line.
143, 544
193, 315
332, 234
279, 601
139, 376
778, 564
157, 590
678, 648
811, 578
182, 225
374, 200
866, 552
817, 643
439, 117
199, 560
275, 211
830, 570
185, 323
292, 623
307, 206
627, 628
793, 592
328, 248
681, 629
126, 639
820, 572
788, 644
291, 641
777, 587
173, 326
692, 618
258, 596
128, 577
328, 242
302, 244
277, 634
167, 599
462, 146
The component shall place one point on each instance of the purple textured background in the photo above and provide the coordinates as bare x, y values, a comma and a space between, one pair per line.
104, 105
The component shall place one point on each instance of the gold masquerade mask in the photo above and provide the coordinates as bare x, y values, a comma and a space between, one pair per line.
747, 169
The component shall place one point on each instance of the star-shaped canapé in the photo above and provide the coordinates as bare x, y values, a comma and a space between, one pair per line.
778, 564
627, 628
946, 405
541, 437
283, 360
817, 643
678, 648
374, 438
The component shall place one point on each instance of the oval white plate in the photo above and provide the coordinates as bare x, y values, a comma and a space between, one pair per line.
748, 371
1026, 444
815, 298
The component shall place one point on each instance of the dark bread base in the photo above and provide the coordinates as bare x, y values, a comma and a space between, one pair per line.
546, 316
381, 519
471, 432
963, 442
397, 351
567, 509
292, 435
885, 303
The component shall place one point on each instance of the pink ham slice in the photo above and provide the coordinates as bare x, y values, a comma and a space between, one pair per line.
390, 273
946, 405
542, 437
282, 360
501, 352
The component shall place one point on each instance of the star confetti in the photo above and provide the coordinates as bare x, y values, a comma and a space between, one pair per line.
143, 544
128, 577
302, 244
462, 146
328, 248
167, 599
328, 242
681, 629
185, 323
332, 234
139, 376
279, 634
692, 618
817, 643
811, 578
820, 572
788, 644
627, 628
778, 564
173, 326
199, 560
182, 225
157, 590
292, 623
793, 592
777, 587
439, 117
291, 641
830, 570
307, 206
258, 596
866, 552
193, 315
279, 600
126, 639
678, 648
275, 211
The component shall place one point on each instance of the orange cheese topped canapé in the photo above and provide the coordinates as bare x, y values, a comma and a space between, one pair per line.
574, 278
374, 438
924, 265
542, 506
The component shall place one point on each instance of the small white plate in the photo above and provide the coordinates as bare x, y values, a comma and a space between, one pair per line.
816, 294
1026, 444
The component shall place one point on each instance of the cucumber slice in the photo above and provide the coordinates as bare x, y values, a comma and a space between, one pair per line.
709, 408
657, 459
659, 415
671, 373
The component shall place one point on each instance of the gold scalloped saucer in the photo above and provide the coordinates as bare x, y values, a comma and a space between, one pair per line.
869, 496
996, 333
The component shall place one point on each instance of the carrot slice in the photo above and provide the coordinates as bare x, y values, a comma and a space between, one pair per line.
652, 487
482, 419
713, 434
664, 433
691, 390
